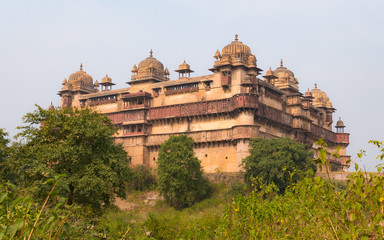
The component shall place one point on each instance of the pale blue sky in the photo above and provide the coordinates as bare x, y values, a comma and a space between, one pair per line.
337, 44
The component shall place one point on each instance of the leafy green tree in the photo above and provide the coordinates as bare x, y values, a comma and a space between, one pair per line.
4, 152
275, 160
180, 175
77, 143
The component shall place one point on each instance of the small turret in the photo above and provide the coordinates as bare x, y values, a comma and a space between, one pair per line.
184, 70
106, 83
166, 73
340, 126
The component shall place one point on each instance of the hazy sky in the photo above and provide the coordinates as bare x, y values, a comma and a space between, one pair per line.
337, 44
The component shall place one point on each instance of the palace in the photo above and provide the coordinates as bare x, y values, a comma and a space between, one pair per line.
221, 111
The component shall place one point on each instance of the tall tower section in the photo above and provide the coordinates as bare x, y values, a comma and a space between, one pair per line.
235, 72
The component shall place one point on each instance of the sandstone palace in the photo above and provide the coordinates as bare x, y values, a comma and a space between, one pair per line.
221, 111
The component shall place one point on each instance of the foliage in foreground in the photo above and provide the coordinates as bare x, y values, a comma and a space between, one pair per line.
23, 218
180, 175
270, 157
74, 142
4, 152
312, 208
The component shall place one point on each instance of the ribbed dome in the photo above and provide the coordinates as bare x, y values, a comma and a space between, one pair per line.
80, 76
150, 62
329, 104
283, 71
236, 49
320, 98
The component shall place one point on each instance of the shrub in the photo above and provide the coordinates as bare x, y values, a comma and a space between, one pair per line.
237, 188
274, 161
180, 175
143, 178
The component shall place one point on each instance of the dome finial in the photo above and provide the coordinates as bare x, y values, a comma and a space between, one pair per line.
150, 53
315, 85
51, 107
81, 66
281, 63
236, 37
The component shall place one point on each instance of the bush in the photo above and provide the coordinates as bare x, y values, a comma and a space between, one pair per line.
237, 188
275, 160
180, 174
143, 178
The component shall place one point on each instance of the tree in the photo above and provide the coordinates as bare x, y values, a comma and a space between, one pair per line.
77, 143
180, 175
272, 160
4, 153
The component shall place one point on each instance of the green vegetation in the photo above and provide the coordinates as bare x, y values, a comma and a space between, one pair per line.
180, 175
143, 178
269, 158
23, 218
77, 144
311, 208
61, 179
4, 153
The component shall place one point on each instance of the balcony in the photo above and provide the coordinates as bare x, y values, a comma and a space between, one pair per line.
342, 138
180, 91
135, 133
144, 105
101, 102
134, 95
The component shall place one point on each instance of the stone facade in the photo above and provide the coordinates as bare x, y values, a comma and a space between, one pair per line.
221, 111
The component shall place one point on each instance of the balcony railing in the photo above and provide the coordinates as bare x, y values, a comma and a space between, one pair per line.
144, 105
180, 91
101, 102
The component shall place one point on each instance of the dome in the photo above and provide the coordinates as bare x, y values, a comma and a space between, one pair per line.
217, 54
340, 123
106, 79
184, 66
329, 104
51, 107
134, 69
320, 98
67, 87
269, 72
308, 93
236, 49
80, 76
166, 71
283, 71
150, 62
